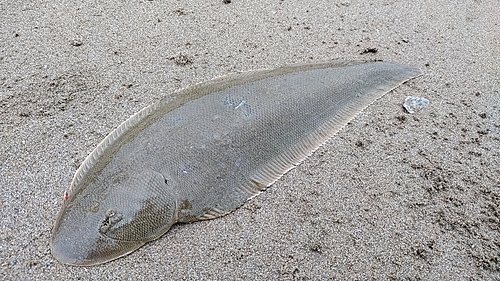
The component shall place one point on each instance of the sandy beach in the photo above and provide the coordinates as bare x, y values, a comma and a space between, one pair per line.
392, 196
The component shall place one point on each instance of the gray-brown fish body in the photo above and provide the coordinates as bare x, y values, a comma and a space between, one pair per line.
203, 152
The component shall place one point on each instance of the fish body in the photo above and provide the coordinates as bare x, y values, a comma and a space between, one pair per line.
202, 152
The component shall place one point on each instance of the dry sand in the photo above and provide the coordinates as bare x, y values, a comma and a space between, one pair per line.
392, 196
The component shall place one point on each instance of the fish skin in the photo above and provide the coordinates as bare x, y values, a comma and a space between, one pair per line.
204, 151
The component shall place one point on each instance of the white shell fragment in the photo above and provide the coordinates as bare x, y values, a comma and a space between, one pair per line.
411, 103
202, 152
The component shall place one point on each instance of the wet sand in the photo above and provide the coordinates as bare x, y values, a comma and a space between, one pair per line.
391, 196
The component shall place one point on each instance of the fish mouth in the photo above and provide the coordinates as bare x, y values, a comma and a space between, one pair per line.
89, 249
79, 242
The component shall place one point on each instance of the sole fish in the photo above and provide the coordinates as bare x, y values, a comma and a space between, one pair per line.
202, 152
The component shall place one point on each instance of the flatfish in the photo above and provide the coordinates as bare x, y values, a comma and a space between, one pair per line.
202, 152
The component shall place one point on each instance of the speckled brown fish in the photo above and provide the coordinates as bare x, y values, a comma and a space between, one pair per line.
202, 152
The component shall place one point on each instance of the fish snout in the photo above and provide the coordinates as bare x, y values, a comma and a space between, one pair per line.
101, 222
84, 246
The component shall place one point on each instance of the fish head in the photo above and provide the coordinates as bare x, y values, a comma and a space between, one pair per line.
109, 218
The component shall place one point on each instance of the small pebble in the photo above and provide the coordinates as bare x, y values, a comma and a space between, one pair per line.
412, 103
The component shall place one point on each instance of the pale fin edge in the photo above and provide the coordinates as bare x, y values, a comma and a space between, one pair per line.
105, 144
247, 190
